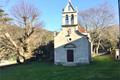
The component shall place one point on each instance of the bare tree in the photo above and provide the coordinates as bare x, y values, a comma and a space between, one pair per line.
27, 15
97, 19
111, 35
39, 38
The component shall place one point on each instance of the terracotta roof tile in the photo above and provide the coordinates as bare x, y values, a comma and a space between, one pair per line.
82, 29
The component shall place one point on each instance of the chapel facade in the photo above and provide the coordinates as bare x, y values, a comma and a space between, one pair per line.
72, 44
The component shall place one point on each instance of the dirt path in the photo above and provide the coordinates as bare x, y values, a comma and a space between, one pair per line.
6, 63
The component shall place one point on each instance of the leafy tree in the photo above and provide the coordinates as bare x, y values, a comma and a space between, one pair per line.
4, 19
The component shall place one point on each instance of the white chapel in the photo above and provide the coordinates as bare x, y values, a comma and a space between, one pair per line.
72, 44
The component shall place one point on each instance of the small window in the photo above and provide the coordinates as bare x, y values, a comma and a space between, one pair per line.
67, 19
70, 39
72, 19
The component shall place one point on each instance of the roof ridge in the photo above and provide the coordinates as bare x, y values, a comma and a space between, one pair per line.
71, 5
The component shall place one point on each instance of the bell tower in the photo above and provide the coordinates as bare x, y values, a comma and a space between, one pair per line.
69, 16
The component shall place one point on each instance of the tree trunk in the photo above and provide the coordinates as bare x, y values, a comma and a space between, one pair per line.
20, 59
94, 50
97, 48
97, 52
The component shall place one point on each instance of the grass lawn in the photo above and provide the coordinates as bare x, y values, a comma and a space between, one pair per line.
102, 68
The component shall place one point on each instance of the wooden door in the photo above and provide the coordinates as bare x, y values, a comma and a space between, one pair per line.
70, 56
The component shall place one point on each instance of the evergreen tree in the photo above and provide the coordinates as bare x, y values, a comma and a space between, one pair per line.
4, 17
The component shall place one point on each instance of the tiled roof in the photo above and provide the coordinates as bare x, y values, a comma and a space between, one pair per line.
81, 29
